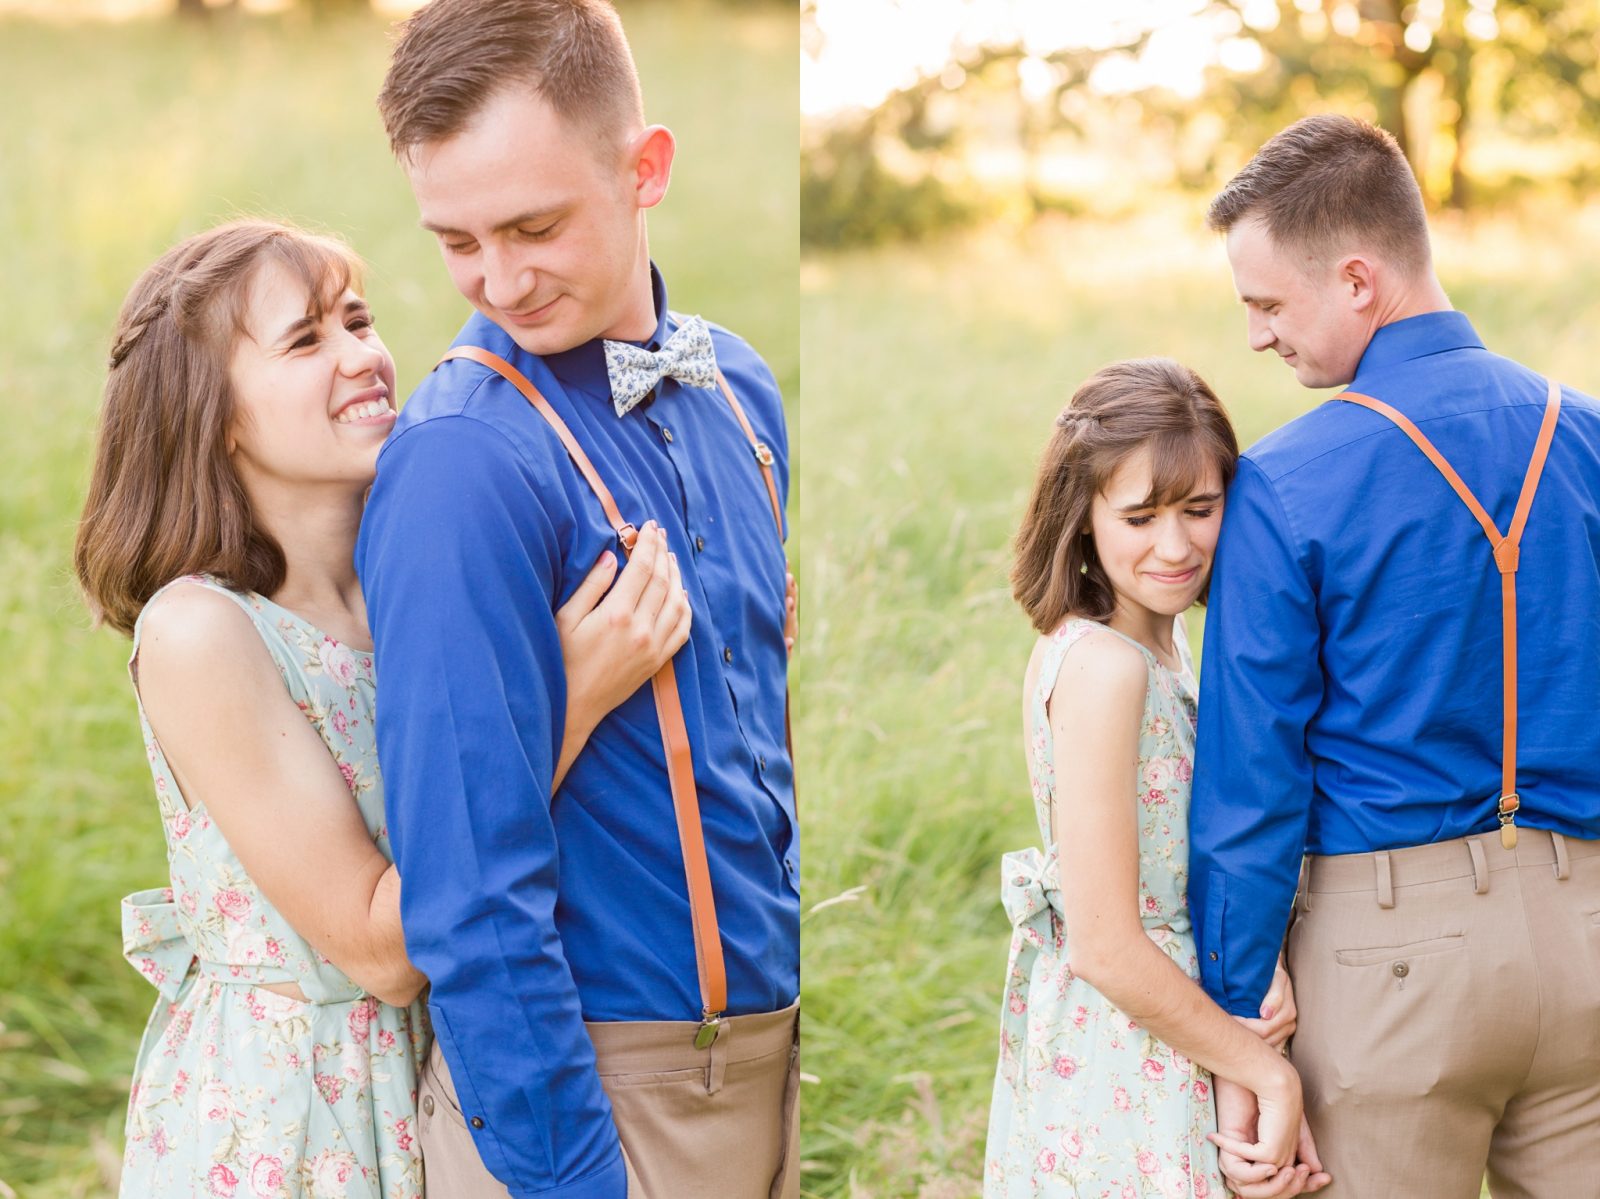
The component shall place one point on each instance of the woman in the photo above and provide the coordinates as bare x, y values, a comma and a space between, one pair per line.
248, 397
1107, 1042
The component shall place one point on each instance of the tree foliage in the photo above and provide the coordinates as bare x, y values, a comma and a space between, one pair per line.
1447, 77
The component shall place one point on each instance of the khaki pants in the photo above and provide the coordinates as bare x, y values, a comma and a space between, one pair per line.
693, 1122
1449, 1000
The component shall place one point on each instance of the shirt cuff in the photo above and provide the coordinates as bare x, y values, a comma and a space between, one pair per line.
609, 1183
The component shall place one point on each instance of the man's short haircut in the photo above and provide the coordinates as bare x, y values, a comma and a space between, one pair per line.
1327, 185
453, 56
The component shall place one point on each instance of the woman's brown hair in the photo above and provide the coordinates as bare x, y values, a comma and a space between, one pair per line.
1127, 406
164, 500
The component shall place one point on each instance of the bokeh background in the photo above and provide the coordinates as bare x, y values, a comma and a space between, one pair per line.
125, 126
999, 197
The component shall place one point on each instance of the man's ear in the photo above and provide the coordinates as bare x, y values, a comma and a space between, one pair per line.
650, 154
1358, 277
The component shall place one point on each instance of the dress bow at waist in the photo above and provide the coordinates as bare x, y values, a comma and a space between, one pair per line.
153, 940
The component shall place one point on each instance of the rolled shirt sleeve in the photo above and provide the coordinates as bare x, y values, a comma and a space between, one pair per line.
460, 565
1261, 684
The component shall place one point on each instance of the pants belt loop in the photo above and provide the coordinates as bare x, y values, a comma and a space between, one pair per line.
1385, 879
1480, 867
1303, 887
717, 1062
1563, 866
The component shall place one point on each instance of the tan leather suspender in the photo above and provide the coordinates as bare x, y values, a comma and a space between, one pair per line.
669, 708
1506, 554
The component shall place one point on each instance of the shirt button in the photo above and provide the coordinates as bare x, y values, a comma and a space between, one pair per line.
477, 1121
761, 762
427, 1105
699, 544
1401, 969
1212, 955
666, 434
727, 654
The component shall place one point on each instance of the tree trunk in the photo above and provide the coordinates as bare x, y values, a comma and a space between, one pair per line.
1461, 92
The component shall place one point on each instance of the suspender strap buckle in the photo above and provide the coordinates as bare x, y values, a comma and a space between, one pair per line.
763, 453
1506, 556
628, 537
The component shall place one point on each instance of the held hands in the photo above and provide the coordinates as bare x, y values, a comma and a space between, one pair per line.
611, 644
1265, 1149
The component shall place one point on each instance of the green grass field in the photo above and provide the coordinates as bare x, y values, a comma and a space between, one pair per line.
932, 376
119, 140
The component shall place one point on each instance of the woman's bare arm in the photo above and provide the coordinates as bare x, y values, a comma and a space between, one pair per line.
242, 748
1095, 715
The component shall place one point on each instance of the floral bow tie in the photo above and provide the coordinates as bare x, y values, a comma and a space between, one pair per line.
687, 357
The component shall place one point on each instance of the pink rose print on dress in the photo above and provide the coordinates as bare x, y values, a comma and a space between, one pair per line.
1147, 1163
360, 1020
158, 1141
341, 725
1072, 1145
1047, 1161
1201, 1091
180, 825
331, 1173
235, 905
221, 1181
349, 773
216, 1102
331, 1086
1119, 1099
1064, 1066
266, 1176
1017, 1004
338, 661
1153, 1070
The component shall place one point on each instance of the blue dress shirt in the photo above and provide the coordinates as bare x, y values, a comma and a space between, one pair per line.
1351, 694
531, 913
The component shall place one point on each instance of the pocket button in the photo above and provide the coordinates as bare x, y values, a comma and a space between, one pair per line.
1401, 969
427, 1105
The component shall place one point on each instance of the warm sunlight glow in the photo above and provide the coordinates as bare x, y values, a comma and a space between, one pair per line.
867, 49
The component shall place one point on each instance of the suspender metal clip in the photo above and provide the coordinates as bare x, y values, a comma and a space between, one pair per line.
1507, 811
710, 1030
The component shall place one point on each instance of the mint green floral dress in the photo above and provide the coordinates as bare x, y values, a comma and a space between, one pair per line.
239, 1092
1087, 1104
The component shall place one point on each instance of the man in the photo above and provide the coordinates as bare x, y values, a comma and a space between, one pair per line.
1355, 706
583, 1049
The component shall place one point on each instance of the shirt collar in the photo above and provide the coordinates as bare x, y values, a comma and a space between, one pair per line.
1418, 337
584, 366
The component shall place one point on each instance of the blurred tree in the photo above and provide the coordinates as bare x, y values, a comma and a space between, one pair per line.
199, 9
1445, 76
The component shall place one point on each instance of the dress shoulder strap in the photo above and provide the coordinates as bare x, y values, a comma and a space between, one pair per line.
262, 623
